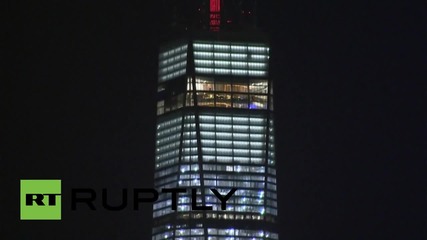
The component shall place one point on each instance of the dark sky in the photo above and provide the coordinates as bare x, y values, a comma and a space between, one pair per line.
78, 103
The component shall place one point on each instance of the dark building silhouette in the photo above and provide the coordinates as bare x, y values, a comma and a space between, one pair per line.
215, 125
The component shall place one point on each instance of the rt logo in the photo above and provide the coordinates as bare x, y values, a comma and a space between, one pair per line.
40, 199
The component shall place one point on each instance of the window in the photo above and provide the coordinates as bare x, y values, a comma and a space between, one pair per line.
222, 87
174, 103
160, 88
180, 100
160, 107
190, 101
258, 102
223, 100
189, 84
258, 86
204, 85
205, 99
240, 87
240, 101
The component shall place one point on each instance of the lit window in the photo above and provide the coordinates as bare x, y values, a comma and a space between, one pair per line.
240, 101
204, 84
222, 87
240, 87
205, 99
223, 100
160, 107
258, 102
258, 86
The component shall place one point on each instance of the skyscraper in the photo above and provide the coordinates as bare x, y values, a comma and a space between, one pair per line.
215, 129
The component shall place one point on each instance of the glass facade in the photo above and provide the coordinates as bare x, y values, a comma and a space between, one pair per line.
231, 93
185, 233
172, 62
215, 130
231, 59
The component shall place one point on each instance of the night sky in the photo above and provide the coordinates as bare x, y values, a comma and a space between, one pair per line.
78, 103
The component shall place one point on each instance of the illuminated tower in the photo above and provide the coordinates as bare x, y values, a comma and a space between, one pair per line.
215, 129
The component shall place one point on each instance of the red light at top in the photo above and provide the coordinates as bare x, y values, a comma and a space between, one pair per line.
215, 17
215, 6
